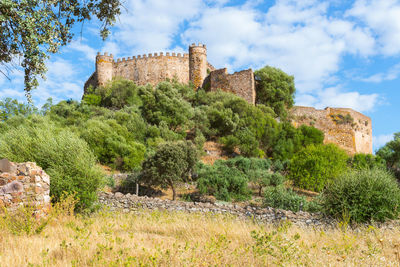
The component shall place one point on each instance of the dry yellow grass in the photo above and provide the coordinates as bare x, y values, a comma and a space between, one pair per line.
156, 238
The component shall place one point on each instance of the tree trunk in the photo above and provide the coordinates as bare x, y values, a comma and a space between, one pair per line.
171, 184
260, 190
173, 192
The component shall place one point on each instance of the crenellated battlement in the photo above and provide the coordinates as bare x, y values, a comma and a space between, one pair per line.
151, 55
198, 45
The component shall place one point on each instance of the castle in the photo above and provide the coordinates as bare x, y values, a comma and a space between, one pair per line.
347, 128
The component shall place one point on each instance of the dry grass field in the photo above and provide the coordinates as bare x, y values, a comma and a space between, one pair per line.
157, 238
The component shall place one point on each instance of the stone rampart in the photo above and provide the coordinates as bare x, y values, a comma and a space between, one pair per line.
153, 68
345, 127
239, 83
24, 184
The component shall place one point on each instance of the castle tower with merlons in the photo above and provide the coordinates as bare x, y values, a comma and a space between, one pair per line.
347, 128
153, 68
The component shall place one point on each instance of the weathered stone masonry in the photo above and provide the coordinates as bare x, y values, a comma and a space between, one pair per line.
24, 184
345, 127
239, 83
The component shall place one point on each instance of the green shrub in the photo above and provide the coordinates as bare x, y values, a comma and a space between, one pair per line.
112, 144
258, 171
165, 104
223, 182
62, 154
117, 94
366, 161
316, 165
283, 198
229, 143
363, 195
92, 99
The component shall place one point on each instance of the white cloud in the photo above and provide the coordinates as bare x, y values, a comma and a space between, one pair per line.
62, 81
297, 36
392, 74
151, 25
337, 97
60, 69
383, 18
12, 93
381, 140
88, 52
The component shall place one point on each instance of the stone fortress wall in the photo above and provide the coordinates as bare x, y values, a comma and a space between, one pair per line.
157, 67
353, 133
239, 83
345, 127
153, 68
24, 184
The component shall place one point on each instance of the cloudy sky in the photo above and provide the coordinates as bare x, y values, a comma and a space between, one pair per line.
342, 53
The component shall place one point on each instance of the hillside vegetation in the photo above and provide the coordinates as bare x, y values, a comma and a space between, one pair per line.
157, 135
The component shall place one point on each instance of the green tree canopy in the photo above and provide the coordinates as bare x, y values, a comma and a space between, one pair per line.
391, 153
33, 29
171, 163
275, 89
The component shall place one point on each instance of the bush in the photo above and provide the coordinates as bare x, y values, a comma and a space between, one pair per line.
260, 172
229, 143
223, 182
366, 161
165, 104
316, 165
283, 198
363, 195
62, 154
112, 144
116, 94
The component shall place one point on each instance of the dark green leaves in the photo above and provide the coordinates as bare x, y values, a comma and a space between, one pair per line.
30, 30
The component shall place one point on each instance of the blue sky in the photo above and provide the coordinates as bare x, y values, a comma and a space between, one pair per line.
342, 53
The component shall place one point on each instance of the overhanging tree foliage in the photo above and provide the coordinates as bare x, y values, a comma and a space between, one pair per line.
30, 30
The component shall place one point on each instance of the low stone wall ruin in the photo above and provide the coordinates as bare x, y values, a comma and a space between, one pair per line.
24, 184
129, 202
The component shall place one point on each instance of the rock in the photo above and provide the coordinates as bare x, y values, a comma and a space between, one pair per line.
118, 195
7, 166
13, 187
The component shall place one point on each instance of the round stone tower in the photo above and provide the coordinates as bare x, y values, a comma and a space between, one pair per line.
197, 64
104, 68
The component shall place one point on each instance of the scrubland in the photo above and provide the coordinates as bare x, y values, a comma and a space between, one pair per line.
159, 238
